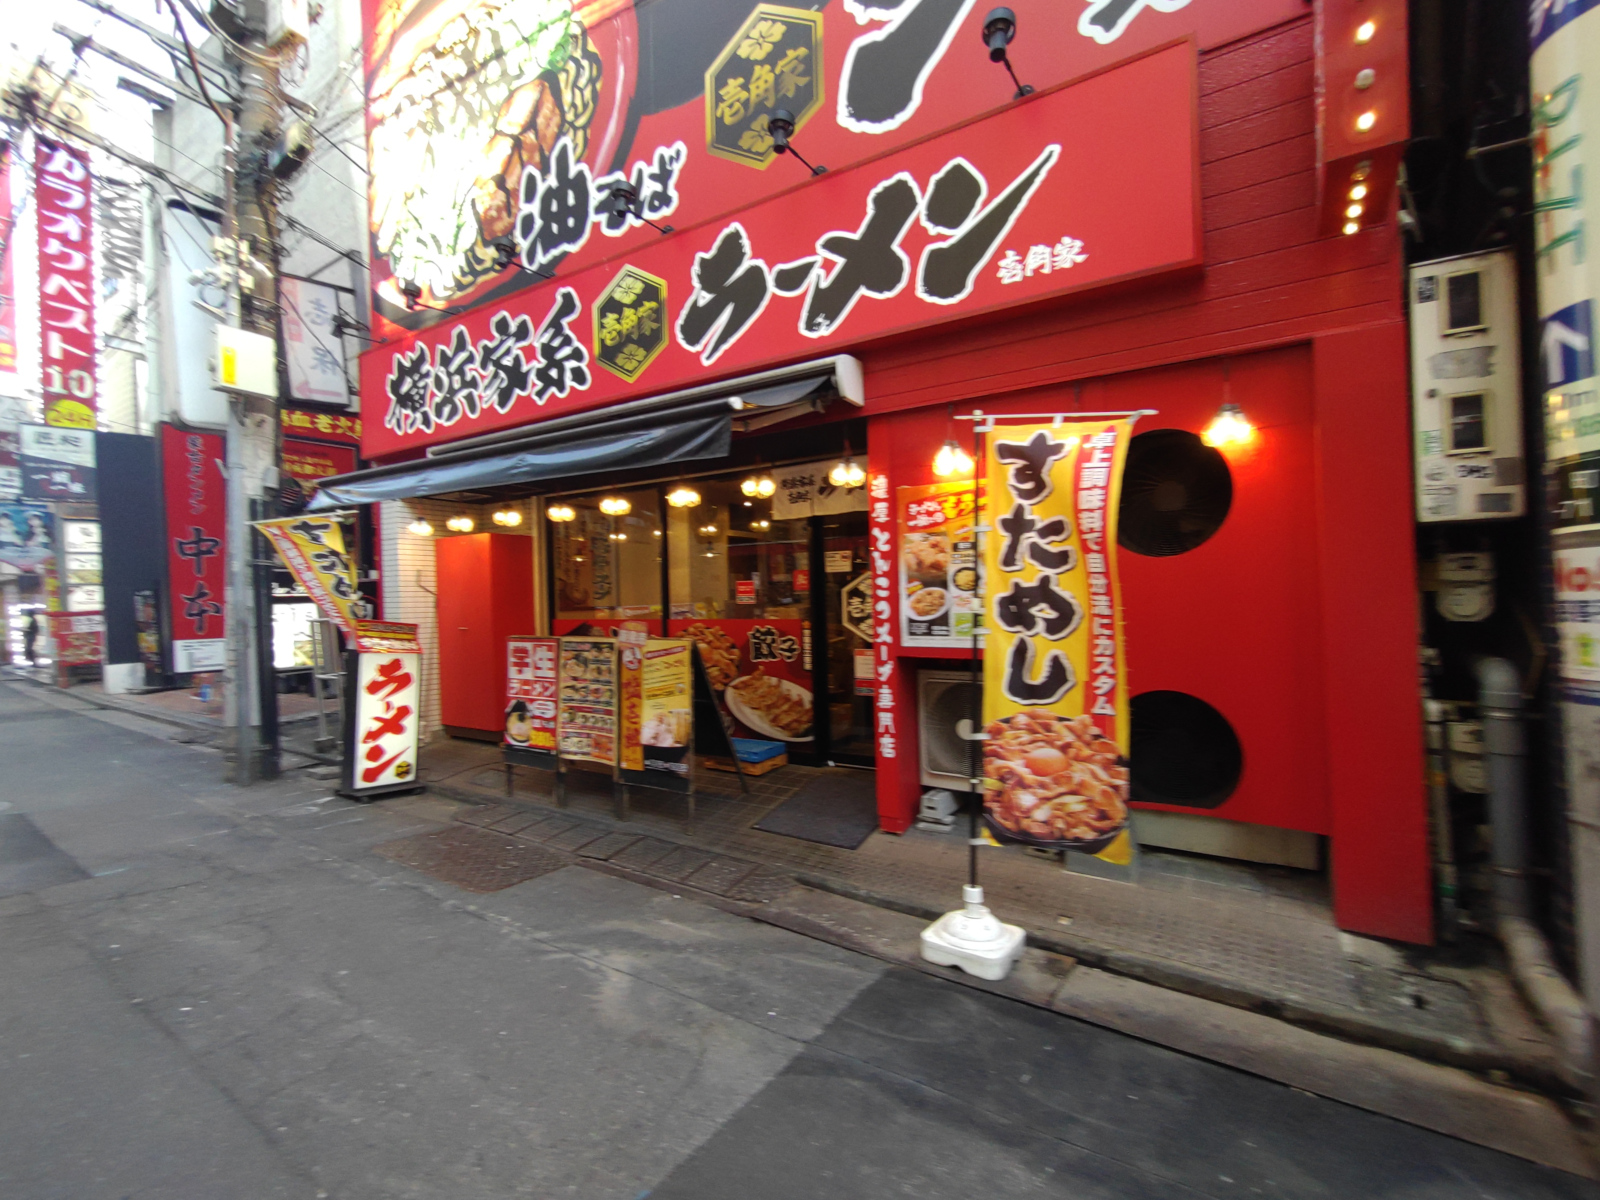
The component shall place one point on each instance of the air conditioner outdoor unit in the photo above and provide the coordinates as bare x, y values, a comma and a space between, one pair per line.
1466, 388
946, 699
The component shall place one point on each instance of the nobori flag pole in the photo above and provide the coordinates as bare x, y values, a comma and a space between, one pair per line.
971, 937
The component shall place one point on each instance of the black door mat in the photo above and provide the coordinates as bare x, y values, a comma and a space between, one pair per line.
474, 860
838, 807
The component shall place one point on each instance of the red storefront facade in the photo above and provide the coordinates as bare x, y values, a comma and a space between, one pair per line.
1191, 175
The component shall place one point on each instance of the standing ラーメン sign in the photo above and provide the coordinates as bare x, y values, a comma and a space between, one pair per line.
1055, 693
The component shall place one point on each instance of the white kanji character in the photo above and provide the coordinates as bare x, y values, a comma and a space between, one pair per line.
1038, 260
886, 745
1010, 267
1068, 252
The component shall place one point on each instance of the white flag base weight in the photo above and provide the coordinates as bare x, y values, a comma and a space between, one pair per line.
973, 939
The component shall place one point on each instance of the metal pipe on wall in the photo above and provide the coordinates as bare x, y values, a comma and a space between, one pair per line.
1532, 964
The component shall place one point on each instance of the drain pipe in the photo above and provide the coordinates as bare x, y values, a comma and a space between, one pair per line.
1532, 965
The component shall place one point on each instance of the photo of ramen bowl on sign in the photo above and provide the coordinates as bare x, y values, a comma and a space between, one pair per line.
1053, 781
462, 96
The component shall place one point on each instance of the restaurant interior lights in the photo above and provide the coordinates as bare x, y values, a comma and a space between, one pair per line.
508, 517
763, 525
561, 512
683, 496
847, 473
462, 524
420, 528
615, 506
951, 460
762, 485
1230, 427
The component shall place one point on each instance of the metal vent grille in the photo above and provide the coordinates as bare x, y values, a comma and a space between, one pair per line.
1184, 751
1176, 492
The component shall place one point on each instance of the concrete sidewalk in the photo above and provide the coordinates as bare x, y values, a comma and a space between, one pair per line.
1261, 939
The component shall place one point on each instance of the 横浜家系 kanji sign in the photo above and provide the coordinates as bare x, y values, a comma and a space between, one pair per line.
1055, 695
313, 550
1070, 190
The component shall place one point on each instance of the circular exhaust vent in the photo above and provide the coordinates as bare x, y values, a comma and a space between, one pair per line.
1176, 492
1184, 751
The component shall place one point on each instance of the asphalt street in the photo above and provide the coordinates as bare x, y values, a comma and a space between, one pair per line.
209, 993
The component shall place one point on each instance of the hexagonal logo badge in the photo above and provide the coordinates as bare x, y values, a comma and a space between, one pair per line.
630, 322
773, 62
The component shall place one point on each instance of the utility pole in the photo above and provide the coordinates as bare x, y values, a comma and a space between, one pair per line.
252, 437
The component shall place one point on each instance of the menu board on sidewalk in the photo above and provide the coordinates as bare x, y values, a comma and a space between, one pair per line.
665, 730
939, 570
587, 704
531, 694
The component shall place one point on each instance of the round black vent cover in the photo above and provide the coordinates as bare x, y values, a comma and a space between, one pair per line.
1176, 491
1184, 751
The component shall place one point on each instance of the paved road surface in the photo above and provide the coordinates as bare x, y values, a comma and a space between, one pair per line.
210, 994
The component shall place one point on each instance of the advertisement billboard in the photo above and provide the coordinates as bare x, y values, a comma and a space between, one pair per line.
197, 532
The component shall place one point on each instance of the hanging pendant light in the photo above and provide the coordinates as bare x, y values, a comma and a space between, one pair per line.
420, 528
615, 506
561, 512
683, 496
951, 460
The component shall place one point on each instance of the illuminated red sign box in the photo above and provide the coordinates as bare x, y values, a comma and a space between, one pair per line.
1066, 191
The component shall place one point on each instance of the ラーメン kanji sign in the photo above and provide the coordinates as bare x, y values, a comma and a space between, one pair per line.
62, 191
382, 740
313, 549
1093, 183
1055, 694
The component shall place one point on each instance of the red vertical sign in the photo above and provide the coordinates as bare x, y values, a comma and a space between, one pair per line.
197, 532
8, 287
66, 284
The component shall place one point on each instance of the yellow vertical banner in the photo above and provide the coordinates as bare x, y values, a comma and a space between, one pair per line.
313, 550
1055, 692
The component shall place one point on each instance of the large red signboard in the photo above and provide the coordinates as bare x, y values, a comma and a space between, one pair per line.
62, 192
1073, 189
197, 538
469, 102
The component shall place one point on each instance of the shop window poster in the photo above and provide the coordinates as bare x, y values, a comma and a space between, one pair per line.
939, 571
28, 538
759, 671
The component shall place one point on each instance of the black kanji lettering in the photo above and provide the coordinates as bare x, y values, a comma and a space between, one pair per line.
410, 388
1105, 20
566, 204
948, 269
312, 531
870, 260
563, 362
199, 606
197, 547
506, 373
1038, 608
455, 380
730, 290
1020, 685
885, 70
1028, 465
1027, 537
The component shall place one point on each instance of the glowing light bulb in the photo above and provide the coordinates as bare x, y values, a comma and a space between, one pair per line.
421, 528
560, 512
1352, 227
1354, 211
683, 496
615, 506
1364, 32
1228, 428
951, 460
766, 486
1359, 192
1366, 120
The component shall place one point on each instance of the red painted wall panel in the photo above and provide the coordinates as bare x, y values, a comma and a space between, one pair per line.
492, 599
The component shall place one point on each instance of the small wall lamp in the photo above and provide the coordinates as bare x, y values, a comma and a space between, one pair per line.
999, 27
781, 126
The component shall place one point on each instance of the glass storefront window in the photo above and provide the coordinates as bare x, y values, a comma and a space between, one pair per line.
608, 567
730, 559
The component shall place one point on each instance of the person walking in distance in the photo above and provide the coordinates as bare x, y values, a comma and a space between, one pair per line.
30, 635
